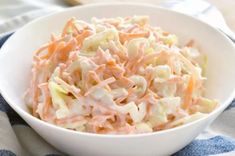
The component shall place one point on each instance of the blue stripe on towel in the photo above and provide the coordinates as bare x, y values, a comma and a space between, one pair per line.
2, 104
231, 105
4, 38
6, 153
215, 145
12, 115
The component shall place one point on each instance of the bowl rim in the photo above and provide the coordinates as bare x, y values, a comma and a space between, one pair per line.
27, 115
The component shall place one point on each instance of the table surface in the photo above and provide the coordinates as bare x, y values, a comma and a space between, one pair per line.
227, 7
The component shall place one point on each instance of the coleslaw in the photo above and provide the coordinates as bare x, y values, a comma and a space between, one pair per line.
117, 76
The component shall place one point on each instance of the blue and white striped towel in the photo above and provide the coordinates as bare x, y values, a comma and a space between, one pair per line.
18, 139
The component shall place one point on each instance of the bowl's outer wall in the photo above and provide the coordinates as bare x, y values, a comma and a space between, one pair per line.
151, 145
16, 59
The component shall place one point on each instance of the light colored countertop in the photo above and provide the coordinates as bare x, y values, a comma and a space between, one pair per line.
227, 7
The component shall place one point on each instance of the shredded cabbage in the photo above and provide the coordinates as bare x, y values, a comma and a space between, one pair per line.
118, 76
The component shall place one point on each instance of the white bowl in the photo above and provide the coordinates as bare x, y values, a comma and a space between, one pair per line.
16, 58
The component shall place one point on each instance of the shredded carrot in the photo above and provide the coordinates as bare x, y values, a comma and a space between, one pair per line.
128, 36
47, 102
189, 93
50, 46
190, 43
129, 30
82, 36
115, 76
68, 24
101, 84
71, 119
70, 46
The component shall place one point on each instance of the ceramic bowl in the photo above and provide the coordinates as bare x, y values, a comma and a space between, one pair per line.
16, 59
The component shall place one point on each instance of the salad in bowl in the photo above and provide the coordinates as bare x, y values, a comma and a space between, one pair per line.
117, 76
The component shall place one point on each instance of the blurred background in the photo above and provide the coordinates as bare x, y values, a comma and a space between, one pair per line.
16, 13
